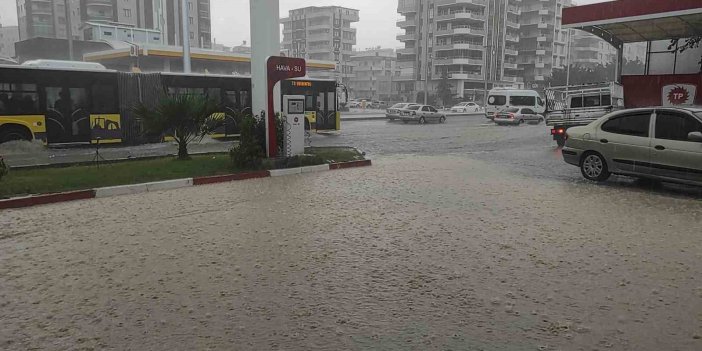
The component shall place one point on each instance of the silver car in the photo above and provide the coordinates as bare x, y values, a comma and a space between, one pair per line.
422, 114
516, 115
393, 112
662, 143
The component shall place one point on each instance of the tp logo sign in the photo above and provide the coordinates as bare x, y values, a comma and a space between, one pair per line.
679, 94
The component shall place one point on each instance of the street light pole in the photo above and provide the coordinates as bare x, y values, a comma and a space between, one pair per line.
69, 29
186, 37
488, 48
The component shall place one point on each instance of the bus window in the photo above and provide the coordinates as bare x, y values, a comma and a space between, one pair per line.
320, 102
606, 100
104, 99
331, 101
522, 101
244, 99
309, 103
214, 94
230, 99
18, 99
65, 100
576, 101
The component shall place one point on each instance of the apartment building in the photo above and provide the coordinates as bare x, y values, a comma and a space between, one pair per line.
543, 42
373, 73
47, 18
589, 51
322, 33
473, 43
8, 37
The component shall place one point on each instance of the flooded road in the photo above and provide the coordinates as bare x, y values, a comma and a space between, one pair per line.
422, 251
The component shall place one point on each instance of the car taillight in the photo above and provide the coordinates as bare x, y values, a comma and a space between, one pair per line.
557, 131
511, 115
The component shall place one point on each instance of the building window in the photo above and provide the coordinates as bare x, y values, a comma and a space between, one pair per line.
192, 35
190, 19
127, 13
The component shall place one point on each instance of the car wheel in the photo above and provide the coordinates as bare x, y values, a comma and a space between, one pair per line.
594, 167
442, 119
422, 120
405, 122
521, 121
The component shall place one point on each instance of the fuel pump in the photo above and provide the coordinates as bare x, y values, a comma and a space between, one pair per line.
294, 112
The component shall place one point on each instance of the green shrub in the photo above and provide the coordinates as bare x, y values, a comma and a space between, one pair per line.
252, 142
4, 169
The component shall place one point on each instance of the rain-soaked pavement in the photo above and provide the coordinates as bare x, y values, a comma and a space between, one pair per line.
461, 237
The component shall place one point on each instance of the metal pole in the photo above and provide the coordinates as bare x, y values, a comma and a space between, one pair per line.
69, 30
426, 55
570, 40
487, 48
186, 37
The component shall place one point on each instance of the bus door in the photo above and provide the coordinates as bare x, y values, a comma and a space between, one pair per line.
67, 115
326, 110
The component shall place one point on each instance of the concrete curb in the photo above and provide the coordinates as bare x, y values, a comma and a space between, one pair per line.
36, 200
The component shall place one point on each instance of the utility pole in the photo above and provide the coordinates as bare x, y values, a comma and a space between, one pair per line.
568, 58
186, 37
69, 29
426, 55
488, 49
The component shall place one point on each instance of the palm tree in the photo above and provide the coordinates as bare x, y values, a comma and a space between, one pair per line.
184, 117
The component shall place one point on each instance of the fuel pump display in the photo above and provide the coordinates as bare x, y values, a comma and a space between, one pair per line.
294, 112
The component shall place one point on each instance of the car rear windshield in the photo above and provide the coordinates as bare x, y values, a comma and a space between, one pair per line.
511, 110
398, 106
497, 100
413, 107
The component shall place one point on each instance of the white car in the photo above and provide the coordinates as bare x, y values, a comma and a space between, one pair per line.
663, 143
465, 107
422, 114
393, 112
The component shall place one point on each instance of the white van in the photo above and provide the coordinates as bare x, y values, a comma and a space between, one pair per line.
503, 98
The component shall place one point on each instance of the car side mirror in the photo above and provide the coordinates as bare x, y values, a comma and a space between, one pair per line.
695, 136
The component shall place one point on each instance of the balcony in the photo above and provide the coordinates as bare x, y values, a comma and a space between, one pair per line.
464, 75
512, 38
407, 23
407, 37
511, 52
404, 64
460, 14
459, 2
513, 24
544, 12
510, 65
539, 78
513, 79
407, 7
460, 30
540, 65
458, 61
459, 46
407, 51
541, 39
540, 52
542, 25
318, 49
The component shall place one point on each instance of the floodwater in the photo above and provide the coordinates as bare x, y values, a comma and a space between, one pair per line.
415, 253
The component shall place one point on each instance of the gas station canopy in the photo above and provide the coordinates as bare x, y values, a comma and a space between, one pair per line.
627, 21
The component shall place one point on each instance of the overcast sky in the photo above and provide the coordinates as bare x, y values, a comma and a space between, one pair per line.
230, 20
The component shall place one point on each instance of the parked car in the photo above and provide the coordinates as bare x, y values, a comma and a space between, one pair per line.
517, 115
354, 104
465, 107
393, 112
421, 114
662, 143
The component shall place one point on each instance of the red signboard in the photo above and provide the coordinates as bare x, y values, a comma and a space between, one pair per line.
280, 68
662, 90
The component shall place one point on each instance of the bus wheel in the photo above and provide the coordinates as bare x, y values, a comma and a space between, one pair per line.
14, 132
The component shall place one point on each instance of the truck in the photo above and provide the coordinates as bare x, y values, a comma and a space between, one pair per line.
579, 105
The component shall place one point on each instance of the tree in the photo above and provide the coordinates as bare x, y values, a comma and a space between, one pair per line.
443, 91
581, 75
184, 117
687, 44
